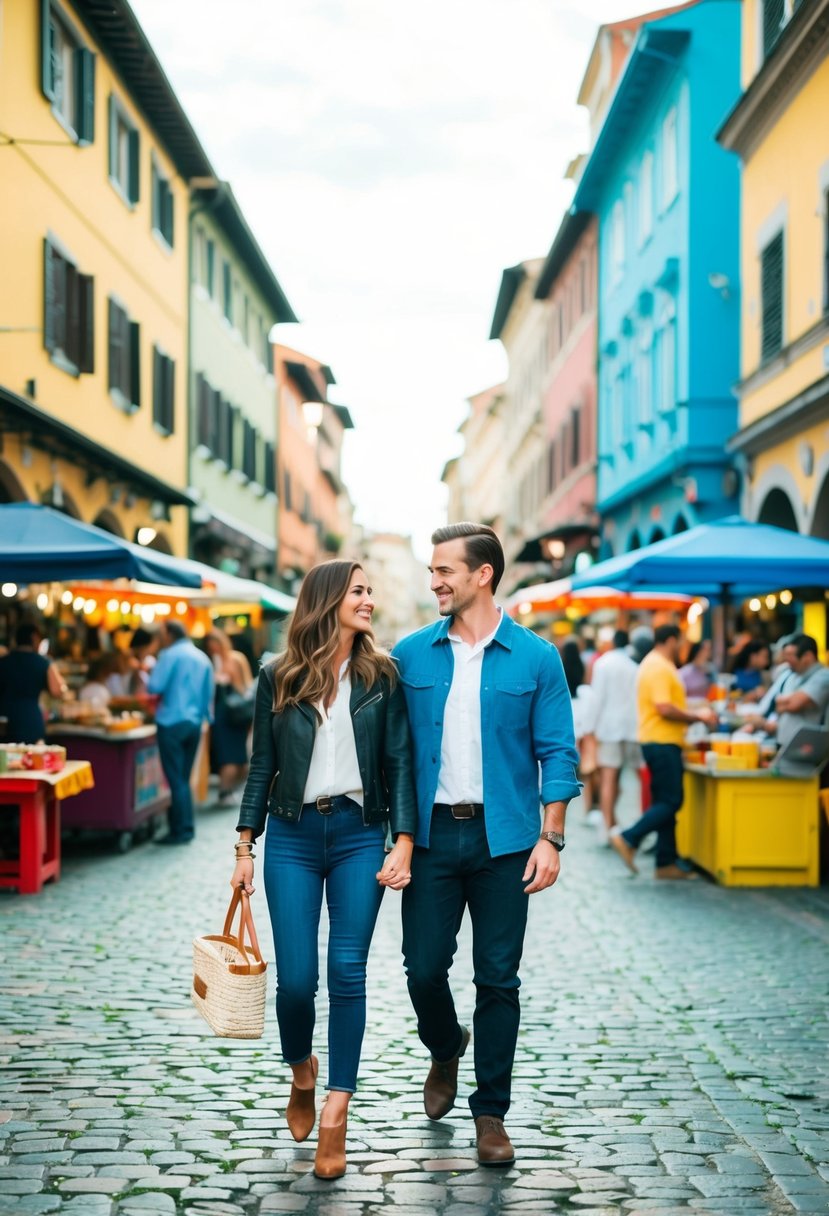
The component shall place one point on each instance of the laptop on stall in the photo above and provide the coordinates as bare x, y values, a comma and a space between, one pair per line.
805, 753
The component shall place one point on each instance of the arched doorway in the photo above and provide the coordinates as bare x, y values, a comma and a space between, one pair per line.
161, 543
634, 541
778, 511
680, 525
820, 519
657, 534
108, 522
10, 488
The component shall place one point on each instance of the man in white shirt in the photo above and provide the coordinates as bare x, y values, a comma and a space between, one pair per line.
614, 689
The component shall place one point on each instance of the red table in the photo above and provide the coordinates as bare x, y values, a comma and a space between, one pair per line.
38, 795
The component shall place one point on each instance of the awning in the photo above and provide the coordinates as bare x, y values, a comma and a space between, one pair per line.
560, 594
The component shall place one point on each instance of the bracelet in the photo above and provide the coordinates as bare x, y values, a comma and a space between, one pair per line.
245, 856
243, 844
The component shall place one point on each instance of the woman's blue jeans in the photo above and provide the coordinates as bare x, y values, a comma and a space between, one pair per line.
336, 854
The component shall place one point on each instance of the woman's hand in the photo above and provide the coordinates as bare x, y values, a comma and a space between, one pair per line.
243, 876
397, 868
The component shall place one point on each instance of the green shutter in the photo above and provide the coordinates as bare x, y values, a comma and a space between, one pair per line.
114, 347
49, 327
85, 61
47, 74
168, 216
112, 127
135, 363
771, 280
211, 267
86, 323
134, 185
170, 395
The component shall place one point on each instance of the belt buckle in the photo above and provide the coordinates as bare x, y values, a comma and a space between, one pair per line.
467, 810
325, 804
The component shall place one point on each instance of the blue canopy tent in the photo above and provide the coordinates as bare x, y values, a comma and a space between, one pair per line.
41, 545
726, 559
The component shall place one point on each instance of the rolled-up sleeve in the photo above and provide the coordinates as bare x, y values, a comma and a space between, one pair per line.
553, 738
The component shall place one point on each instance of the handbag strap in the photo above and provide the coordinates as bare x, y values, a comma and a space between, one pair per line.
241, 900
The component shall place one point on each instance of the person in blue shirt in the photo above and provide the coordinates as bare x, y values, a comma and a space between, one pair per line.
183, 677
492, 733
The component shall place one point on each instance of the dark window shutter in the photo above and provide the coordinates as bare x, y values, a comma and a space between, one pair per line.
170, 214
268, 352
170, 395
288, 503
85, 66
270, 468
134, 188
72, 343
50, 337
47, 37
230, 435
211, 267
115, 344
771, 274
227, 291
202, 413
154, 182
86, 323
774, 12
826, 252
222, 411
112, 128
157, 385
134, 332
575, 437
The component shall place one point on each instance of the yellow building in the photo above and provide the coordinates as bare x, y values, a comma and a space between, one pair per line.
779, 130
96, 159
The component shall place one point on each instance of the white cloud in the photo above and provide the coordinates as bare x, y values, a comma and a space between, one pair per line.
391, 159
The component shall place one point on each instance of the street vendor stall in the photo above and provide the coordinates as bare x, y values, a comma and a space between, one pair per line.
37, 794
131, 792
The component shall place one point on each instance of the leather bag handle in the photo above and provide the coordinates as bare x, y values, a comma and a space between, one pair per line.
241, 900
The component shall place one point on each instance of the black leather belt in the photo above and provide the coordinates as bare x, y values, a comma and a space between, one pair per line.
327, 803
461, 810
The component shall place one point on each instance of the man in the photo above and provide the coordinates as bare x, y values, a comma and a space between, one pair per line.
183, 677
614, 690
801, 695
662, 718
489, 708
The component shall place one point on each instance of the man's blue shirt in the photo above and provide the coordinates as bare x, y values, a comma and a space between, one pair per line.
184, 677
528, 746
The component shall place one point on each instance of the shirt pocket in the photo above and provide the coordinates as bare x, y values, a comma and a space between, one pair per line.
419, 690
514, 703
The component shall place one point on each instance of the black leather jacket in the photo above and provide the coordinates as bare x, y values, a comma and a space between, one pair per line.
283, 744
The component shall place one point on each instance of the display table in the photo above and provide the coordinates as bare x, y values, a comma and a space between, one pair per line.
131, 789
39, 795
751, 828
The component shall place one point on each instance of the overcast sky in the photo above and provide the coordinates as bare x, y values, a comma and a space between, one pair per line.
392, 158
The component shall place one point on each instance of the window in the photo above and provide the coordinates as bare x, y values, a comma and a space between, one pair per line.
227, 291
667, 360
575, 437
771, 290
646, 198
124, 152
210, 267
670, 159
776, 16
270, 467
617, 241
164, 386
249, 451
68, 313
645, 376
162, 219
67, 74
205, 429
124, 358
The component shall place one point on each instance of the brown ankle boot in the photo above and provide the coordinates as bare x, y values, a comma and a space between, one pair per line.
301, 1111
330, 1159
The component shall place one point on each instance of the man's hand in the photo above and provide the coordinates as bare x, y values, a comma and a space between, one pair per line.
708, 716
543, 866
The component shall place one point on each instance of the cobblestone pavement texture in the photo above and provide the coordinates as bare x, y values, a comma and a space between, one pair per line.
672, 1058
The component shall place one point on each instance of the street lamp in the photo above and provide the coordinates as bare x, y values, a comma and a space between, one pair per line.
312, 413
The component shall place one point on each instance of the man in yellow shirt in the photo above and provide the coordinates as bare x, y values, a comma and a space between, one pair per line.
663, 717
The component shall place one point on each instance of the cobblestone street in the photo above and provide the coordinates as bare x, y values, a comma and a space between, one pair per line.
673, 1054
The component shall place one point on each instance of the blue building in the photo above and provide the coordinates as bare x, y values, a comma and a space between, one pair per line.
667, 200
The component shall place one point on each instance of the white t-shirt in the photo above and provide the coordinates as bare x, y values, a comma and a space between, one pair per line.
614, 685
584, 711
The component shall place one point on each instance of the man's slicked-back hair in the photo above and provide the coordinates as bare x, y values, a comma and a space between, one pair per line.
481, 544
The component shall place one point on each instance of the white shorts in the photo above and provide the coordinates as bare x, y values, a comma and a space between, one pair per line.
618, 754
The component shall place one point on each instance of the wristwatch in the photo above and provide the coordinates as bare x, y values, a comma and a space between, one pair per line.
556, 839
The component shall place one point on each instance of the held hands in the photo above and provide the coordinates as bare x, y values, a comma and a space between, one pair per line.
397, 868
243, 875
544, 864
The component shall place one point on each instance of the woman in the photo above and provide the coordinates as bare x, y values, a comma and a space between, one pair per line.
94, 689
751, 666
228, 737
695, 673
331, 769
24, 675
584, 717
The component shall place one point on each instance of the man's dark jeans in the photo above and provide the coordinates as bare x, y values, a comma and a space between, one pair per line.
457, 871
665, 763
177, 746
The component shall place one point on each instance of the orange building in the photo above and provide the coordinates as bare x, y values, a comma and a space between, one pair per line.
314, 515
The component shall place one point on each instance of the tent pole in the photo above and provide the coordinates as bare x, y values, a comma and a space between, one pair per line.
720, 628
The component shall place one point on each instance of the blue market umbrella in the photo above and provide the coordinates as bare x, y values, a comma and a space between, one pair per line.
40, 545
728, 558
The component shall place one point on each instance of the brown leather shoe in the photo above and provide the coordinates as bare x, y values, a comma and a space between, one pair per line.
441, 1086
301, 1111
617, 841
494, 1145
330, 1159
675, 873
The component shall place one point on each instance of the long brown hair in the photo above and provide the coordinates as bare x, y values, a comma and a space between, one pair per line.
305, 671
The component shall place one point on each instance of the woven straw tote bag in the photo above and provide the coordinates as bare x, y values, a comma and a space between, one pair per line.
229, 977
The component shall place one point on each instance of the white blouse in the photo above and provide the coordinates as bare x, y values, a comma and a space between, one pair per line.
334, 767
